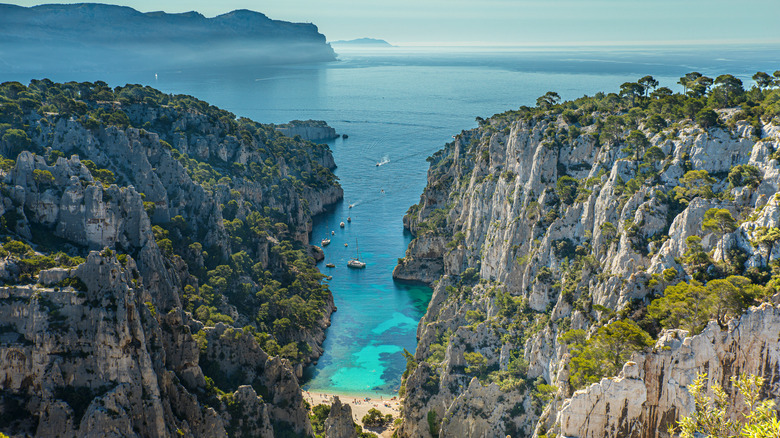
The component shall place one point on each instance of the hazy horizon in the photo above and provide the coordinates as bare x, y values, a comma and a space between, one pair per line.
509, 22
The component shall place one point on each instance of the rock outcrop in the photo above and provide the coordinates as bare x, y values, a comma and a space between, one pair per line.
535, 224
339, 423
312, 130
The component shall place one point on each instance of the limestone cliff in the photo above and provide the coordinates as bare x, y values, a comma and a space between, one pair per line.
652, 390
203, 304
549, 220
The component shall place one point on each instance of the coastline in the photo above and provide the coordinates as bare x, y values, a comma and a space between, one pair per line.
359, 405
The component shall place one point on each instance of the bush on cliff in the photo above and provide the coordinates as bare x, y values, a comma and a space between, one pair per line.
604, 353
691, 306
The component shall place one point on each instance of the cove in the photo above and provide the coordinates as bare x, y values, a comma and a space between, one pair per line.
398, 107
376, 317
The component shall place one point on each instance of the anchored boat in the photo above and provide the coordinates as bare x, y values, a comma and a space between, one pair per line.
355, 262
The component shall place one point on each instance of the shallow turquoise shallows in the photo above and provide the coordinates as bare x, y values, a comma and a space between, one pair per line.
399, 106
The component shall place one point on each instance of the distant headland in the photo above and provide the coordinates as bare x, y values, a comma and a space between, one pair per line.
90, 36
363, 42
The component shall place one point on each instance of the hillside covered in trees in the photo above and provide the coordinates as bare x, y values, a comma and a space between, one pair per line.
154, 260
565, 239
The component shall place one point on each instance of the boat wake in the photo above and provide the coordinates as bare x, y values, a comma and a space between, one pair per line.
384, 161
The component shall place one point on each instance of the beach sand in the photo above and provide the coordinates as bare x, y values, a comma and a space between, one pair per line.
360, 407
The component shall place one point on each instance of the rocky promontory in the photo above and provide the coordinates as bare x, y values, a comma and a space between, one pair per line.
311, 130
156, 276
568, 239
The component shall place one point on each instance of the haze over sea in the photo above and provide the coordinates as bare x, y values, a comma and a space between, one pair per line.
398, 106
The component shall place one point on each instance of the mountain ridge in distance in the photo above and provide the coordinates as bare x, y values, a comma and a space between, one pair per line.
89, 36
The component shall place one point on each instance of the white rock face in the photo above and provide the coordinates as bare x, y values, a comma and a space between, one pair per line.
652, 392
603, 405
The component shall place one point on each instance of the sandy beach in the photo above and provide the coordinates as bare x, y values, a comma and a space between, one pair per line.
360, 407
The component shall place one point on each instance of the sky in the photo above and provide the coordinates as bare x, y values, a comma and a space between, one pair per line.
509, 22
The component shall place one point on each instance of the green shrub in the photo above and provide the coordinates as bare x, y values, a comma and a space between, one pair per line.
604, 353
374, 418
43, 177
17, 248
711, 415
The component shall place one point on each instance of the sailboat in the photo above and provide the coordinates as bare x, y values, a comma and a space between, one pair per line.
355, 262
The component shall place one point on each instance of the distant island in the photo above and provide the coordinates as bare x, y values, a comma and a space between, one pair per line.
90, 36
363, 42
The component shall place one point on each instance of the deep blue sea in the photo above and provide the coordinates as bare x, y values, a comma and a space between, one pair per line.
398, 106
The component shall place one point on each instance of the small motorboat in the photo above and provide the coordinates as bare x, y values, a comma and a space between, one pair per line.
332, 233
342, 224
349, 219
330, 265
329, 277
325, 242
378, 164
346, 245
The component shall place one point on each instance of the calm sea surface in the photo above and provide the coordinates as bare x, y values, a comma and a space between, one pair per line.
399, 106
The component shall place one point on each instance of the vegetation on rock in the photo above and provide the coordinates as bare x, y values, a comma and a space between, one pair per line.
568, 236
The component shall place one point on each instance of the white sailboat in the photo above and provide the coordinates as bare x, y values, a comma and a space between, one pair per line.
355, 262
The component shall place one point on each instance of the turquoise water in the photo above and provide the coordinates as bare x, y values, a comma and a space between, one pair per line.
398, 107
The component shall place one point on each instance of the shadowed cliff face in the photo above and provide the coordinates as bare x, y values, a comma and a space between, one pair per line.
202, 305
537, 224
90, 36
